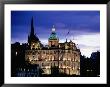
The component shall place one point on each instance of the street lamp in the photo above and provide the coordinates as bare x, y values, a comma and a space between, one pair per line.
16, 53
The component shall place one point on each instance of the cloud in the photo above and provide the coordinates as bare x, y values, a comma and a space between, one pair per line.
23, 40
88, 50
88, 43
90, 39
44, 41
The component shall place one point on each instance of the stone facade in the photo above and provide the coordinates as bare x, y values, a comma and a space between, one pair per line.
65, 56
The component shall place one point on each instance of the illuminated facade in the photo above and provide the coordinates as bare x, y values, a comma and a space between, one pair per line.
65, 56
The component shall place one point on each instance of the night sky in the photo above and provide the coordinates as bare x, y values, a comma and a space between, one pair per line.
82, 27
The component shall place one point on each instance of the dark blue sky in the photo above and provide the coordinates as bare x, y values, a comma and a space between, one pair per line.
77, 22
87, 21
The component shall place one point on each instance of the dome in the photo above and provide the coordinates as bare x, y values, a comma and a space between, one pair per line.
53, 35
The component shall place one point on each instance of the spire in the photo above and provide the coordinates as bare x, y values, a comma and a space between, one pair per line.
32, 27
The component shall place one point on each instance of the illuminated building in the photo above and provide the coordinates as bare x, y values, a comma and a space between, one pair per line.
65, 56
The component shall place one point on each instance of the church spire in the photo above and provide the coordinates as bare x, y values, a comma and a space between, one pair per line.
32, 27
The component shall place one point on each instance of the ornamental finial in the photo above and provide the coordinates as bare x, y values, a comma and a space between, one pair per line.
53, 29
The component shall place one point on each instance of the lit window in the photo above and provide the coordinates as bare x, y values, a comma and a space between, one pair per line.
63, 67
16, 53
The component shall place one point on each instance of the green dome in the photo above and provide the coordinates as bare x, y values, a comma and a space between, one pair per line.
53, 36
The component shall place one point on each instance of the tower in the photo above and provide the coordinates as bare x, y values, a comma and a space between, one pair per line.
53, 39
33, 40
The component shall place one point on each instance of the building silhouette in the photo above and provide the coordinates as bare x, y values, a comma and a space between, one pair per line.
64, 57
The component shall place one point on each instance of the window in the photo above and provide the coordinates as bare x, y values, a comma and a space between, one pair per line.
33, 53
